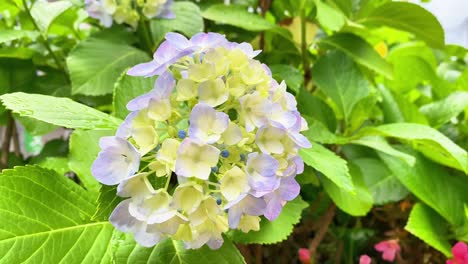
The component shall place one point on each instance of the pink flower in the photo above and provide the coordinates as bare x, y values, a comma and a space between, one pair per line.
364, 259
460, 254
304, 255
389, 249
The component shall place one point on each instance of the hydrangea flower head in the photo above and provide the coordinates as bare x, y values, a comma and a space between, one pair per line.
214, 146
124, 11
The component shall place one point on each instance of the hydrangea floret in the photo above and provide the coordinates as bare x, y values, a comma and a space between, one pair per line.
128, 11
212, 147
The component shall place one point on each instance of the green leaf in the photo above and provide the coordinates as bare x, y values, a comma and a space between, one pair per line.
84, 148
356, 203
311, 105
238, 16
58, 164
58, 111
340, 79
95, 65
389, 106
16, 52
329, 17
433, 185
292, 76
107, 201
382, 184
7, 35
188, 21
409, 71
44, 13
45, 218
329, 164
429, 141
317, 132
274, 231
361, 51
171, 251
380, 144
427, 225
407, 17
440, 112
127, 88
34, 126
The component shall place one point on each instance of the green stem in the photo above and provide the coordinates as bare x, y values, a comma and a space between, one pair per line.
43, 39
167, 182
145, 35
304, 51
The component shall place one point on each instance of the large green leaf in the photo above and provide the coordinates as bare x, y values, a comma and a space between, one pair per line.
409, 71
361, 51
96, 64
408, 17
126, 89
339, 77
292, 76
58, 111
44, 13
389, 106
238, 16
382, 184
380, 144
84, 148
318, 132
106, 202
426, 224
313, 106
188, 21
429, 141
431, 183
171, 251
45, 219
440, 112
277, 230
329, 164
356, 203
329, 17
7, 35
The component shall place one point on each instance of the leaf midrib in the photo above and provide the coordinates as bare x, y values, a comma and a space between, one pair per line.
58, 230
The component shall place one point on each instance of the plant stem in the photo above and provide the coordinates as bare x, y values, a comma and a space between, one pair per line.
325, 222
304, 51
43, 39
6, 141
145, 36
258, 254
15, 137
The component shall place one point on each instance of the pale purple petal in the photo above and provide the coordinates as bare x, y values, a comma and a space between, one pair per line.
208, 40
206, 124
274, 206
300, 140
163, 87
124, 130
117, 161
178, 40
121, 218
289, 189
143, 69
166, 11
244, 204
